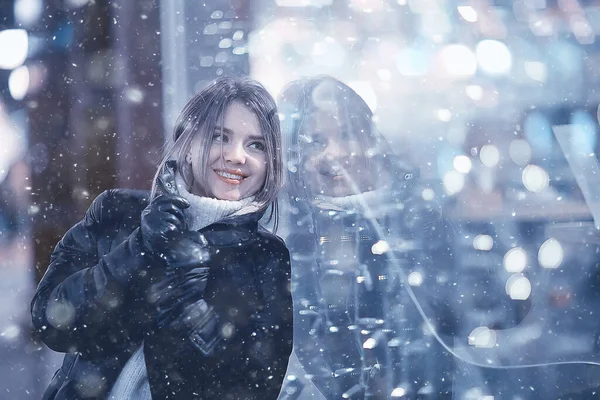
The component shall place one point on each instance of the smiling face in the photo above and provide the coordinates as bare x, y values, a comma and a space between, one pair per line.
334, 160
237, 162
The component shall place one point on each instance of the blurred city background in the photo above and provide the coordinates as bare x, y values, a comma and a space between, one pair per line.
495, 101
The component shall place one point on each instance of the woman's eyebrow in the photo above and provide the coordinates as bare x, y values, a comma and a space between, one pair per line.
223, 129
256, 137
230, 132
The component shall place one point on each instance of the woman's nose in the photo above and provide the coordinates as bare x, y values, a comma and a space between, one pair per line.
235, 154
334, 151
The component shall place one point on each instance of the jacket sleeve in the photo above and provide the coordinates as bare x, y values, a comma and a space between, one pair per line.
78, 304
252, 358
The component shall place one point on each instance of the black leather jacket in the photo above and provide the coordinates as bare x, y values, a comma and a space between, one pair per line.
89, 307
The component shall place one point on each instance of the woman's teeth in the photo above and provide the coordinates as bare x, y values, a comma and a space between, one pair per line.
230, 176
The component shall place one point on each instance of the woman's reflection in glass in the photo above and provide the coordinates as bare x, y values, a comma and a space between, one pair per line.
353, 208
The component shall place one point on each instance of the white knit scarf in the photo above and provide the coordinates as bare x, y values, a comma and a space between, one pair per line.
132, 383
204, 211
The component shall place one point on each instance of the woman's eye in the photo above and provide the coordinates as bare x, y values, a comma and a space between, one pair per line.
258, 146
218, 137
317, 141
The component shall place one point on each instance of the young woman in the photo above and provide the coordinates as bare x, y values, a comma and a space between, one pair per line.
358, 227
179, 293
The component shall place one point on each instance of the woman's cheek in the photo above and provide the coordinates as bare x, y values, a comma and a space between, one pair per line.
310, 165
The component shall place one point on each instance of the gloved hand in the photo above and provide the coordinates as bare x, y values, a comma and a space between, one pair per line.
186, 250
161, 221
164, 234
182, 311
176, 290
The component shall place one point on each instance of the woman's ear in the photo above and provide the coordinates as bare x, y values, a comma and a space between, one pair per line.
188, 158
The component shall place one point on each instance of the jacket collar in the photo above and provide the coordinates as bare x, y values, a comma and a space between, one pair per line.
230, 230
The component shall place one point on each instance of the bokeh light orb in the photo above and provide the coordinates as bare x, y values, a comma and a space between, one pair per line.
551, 254
519, 151
518, 287
454, 182
462, 164
535, 178
458, 61
515, 260
489, 155
493, 57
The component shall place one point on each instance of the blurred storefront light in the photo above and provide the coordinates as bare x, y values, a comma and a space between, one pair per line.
15, 45
483, 242
238, 35
454, 182
551, 254
225, 43
494, 57
519, 151
76, 3
462, 164
489, 155
536, 70
535, 178
468, 13
380, 247
428, 194
458, 61
370, 343
13, 145
415, 278
28, 12
18, 82
398, 392
482, 337
541, 26
582, 29
518, 287
443, 114
515, 260
474, 92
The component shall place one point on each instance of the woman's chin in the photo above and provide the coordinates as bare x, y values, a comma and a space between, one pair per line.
231, 196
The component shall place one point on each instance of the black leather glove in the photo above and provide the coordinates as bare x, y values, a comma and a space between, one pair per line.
186, 250
161, 220
176, 290
164, 234
182, 311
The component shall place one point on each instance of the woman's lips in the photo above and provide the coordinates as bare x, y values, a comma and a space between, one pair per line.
230, 177
333, 175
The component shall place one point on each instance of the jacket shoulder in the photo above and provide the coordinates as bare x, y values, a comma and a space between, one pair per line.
117, 204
